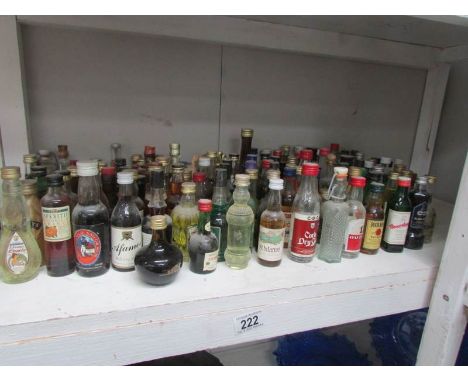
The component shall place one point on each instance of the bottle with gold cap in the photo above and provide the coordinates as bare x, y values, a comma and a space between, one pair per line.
240, 218
246, 146
28, 160
174, 152
159, 262
34, 207
185, 218
20, 255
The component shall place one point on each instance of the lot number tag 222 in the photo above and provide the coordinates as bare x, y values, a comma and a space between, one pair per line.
248, 322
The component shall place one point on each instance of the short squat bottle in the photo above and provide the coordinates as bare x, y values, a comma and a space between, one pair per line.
56, 217
240, 218
397, 217
272, 228
420, 200
90, 219
375, 219
356, 218
125, 226
20, 256
159, 262
203, 246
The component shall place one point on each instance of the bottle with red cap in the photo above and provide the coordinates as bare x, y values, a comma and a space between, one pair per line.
323, 153
305, 216
356, 218
150, 154
199, 178
305, 156
397, 217
203, 245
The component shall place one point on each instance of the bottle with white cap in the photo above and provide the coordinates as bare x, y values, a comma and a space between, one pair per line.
272, 227
90, 220
126, 236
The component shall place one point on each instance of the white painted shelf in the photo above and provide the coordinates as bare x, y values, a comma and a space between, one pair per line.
116, 319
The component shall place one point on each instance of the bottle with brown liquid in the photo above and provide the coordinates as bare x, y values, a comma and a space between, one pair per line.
175, 187
375, 216
287, 199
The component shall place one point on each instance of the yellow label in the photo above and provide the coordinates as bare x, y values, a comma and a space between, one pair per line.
373, 234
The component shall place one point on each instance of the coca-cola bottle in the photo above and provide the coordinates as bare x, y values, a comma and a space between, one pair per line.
305, 216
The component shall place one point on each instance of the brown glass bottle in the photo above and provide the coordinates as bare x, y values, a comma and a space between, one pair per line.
375, 215
109, 185
175, 188
56, 217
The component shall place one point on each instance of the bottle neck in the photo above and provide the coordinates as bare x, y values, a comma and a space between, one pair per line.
188, 200
158, 235
125, 190
220, 195
88, 190
357, 193
338, 189
55, 189
203, 220
274, 200
241, 194
157, 197
308, 184
402, 192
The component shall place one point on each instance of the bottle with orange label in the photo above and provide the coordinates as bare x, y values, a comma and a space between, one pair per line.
375, 216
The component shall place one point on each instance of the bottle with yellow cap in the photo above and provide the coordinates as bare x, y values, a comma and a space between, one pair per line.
20, 255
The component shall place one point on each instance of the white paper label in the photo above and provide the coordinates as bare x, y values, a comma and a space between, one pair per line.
248, 322
396, 227
16, 255
146, 238
211, 260
208, 227
353, 236
270, 244
57, 224
125, 244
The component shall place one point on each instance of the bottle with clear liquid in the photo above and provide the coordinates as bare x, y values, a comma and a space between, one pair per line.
20, 255
240, 218
335, 218
253, 202
356, 218
221, 197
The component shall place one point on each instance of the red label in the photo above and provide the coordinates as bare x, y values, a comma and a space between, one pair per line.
304, 234
87, 246
354, 233
354, 242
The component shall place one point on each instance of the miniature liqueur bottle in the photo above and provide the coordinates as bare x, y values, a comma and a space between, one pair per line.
356, 218
221, 197
390, 188
174, 152
156, 205
246, 146
305, 216
240, 218
175, 187
326, 176
39, 173
90, 219
253, 202
20, 256
420, 200
33, 204
431, 212
397, 217
305, 156
73, 179
115, 153
56, 217
204, 166
199, 178
262, 186
46, 158
323, 153
28, 160
150, 154
109, 185
272, 228
67, 187
335, 218
185, 219
287, 198
375, 218
138, 201
203, 245
125, 226
159, 262
63, 157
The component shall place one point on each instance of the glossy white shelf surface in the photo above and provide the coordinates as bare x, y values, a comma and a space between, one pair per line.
116, 319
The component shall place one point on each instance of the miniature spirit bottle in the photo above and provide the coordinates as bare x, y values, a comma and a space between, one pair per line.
62, 155
246, 145
204, 165
109, 185
431, 212
28, 160
33, 204
287, 198
175, 187
356, 218
375, 218
240, 218
203, 245
20, 256
253, 202
200, 180
221, 197
420, 200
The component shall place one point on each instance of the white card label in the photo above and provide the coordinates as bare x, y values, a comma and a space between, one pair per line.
248, 322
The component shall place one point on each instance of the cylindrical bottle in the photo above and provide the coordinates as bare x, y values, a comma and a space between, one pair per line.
56, 217
375, 218
356, 218
28, 160
221, 197
20, 256
203, 245
240, 218
390, 188
287, 198
33, 203
431, 212
246, 146
175, 187
272, 228
39, 173
126, 235
62, 155
90, 219
199, 178
420, 200
323, 153
305, 216
397, 217
109, 185
204, 166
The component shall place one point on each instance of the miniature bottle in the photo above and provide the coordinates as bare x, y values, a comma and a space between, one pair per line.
28, 160
287, 198
375, 219
221, 197
63, 157
199, 178
420, 200
39, 173
109, 185
175, 187
356, 218
29, 187
246, 145
429, 222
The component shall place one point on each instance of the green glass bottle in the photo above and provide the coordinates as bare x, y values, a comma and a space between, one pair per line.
221, 197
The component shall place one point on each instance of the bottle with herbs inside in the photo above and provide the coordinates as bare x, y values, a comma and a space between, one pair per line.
125, 226
33, 204
203, 245
375, 218
356, 218
272, 227
420, 200
185, 219
221, 197
20, 255
159, 262
397, 217
56, 217
90, 220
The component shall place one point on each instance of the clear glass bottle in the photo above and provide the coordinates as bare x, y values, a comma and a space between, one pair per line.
28, 160
20, 256
203, 245
63, 157
356, 218
253, 202
287, 198
420, 200
175, 187
56, 217
221, 198
375, 219
335, 218
323, 153
46, 158
204, 165
90, 217
272, 228
185, 218
199, 178
326, 176
126, 237
29, 187
174, 151
240, 218
305, 216
159, 262
430, 220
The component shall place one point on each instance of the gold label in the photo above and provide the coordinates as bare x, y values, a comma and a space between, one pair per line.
373, 234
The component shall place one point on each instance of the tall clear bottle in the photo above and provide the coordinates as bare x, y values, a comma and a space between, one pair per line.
240, 218
356, 218
335, 218
221, 197
126, 238
305, 216
20, 256
90, 218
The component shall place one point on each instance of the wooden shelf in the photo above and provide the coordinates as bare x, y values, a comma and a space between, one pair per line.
116, 319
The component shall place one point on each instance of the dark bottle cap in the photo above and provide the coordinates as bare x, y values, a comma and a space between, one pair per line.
157, 178
221, 177
377, 187
108, 171
289, 171
250, 164
63, 172
120, 162
39, 170
54, 180
252, 157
